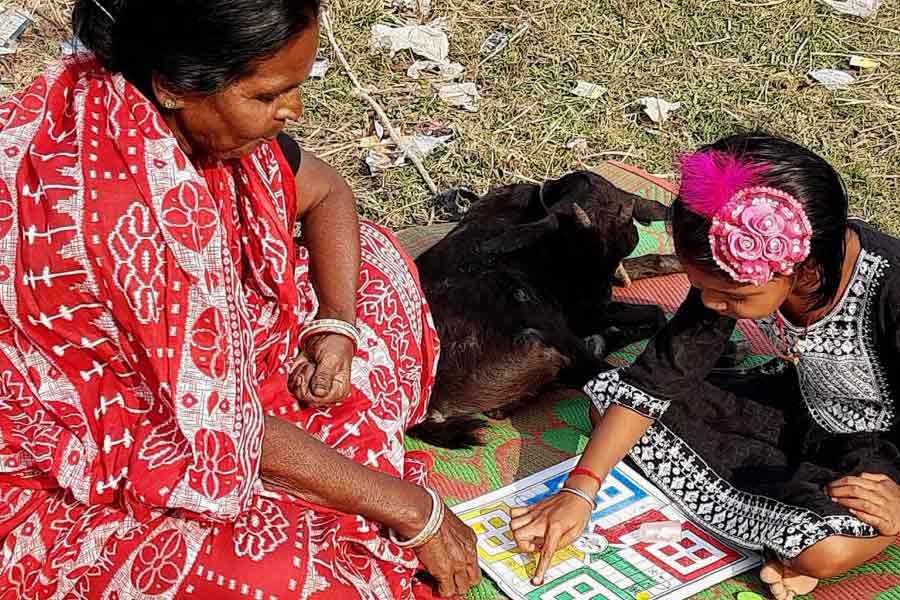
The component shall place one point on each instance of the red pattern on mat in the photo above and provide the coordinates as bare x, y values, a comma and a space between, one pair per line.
147, 309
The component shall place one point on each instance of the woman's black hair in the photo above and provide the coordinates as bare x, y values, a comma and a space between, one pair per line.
797, 171
194, 46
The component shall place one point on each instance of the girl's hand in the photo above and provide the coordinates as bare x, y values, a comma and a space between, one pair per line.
321, 374
873, 499
549, 525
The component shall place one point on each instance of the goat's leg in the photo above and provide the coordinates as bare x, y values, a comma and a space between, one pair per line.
585, 356
622, 324
506, 372
651, 265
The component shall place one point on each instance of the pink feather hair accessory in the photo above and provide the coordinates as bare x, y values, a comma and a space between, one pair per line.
710, 179
756, 231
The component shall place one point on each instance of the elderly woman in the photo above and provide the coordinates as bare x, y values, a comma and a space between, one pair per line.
191, 405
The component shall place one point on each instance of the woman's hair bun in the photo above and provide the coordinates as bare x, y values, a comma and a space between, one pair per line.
94, 23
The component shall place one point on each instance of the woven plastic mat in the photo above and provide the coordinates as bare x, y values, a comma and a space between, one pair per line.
555, 427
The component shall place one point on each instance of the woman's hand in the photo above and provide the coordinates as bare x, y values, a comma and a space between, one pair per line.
873, 499
321, 374
549, 525
451, 558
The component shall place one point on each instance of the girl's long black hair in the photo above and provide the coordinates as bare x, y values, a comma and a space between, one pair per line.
797, 171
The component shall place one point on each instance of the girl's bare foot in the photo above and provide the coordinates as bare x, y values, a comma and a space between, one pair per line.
785, 583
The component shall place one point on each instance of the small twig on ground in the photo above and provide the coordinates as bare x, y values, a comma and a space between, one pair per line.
611, 153
758, 5
361, 92
336, 149
712, 42
385, 218
509, 42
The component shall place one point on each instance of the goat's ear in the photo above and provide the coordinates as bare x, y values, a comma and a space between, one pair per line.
647, 211
570, 187
520, 236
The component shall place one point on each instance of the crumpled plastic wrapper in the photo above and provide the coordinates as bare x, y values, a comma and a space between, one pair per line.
460, 95
832, 79
434, 70
657, 109
857, 8
428, 41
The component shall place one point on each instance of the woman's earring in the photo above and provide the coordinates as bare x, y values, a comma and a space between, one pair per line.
170, 104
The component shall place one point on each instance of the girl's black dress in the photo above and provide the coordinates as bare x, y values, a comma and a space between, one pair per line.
748, 454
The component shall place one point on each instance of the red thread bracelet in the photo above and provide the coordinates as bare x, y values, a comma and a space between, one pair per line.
587, 473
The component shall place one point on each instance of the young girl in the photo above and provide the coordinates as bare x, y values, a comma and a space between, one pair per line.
799, 457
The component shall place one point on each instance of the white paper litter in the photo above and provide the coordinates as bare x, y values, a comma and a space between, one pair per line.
4, 51
832, 79
495, 42
71, 46
427, 41
434, 70
460, 95
586, 89
422, 145
578, 143
387, 154
857, 8
320, 68
658, 109
13, 23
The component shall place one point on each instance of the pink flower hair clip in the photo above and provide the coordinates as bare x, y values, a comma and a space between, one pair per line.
756, 231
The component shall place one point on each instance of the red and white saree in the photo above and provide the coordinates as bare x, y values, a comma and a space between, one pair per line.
147, 308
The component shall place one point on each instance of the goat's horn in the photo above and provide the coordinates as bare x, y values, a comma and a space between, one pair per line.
581, 216
622, 275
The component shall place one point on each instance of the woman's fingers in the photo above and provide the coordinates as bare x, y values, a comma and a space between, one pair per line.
299, 378
875, 477
473, 571
461, 579
446, 587
323, 379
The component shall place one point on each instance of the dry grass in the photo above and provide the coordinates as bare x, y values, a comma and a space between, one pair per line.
732, 64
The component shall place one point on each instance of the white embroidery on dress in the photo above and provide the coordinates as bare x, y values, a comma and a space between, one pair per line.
841, 376
609, 385
749, 520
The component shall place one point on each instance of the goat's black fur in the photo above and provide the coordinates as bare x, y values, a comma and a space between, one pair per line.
521, 295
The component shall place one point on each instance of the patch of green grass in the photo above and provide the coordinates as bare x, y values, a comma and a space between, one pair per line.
731, 64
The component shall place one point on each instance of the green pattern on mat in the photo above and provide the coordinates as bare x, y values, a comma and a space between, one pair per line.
471, 466
574, 413
654, 239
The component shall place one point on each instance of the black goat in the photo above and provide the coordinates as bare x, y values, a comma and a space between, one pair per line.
521, 294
